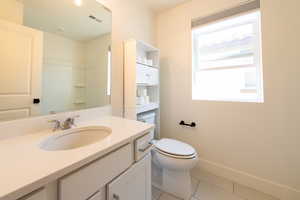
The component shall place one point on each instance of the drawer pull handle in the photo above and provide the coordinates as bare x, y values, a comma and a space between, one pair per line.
146, 148
116, 197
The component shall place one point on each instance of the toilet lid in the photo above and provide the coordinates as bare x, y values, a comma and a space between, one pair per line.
175, 147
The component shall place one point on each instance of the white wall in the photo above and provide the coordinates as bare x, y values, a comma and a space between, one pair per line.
12, 11
96, 62
74, 71
63, 68
130, 19
254, 144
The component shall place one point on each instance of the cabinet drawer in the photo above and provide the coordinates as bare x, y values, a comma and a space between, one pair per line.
36, 195
99, 195
147, 75
143, 146
85, 182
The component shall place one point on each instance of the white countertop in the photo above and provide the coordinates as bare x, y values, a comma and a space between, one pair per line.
25, 167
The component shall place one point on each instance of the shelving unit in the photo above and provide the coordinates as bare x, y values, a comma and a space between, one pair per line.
146, 65
79, 85
141, 78
147, 107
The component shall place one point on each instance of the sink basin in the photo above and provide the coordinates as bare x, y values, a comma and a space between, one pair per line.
75, 138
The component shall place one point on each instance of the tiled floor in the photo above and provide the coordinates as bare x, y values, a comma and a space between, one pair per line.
201, 191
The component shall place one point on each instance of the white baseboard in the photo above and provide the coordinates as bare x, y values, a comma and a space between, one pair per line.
283, 192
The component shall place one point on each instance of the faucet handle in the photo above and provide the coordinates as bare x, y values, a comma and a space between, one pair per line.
72, 120
56, 124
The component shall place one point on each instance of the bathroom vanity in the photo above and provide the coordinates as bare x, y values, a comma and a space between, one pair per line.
118, 166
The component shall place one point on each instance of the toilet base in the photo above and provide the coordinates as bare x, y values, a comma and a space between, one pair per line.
177, 183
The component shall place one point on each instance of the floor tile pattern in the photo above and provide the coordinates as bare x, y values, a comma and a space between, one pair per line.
201, 191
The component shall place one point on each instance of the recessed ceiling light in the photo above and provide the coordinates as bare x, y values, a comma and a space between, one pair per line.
78, 2
95, 18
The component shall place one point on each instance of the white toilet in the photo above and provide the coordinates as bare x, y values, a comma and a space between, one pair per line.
175, 160
172, 162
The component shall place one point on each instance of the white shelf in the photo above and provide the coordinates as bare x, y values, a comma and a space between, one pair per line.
146, 107
146, 85
79, 102
79, 85
146, 65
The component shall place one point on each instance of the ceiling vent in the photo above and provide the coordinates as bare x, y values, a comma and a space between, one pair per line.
95, 18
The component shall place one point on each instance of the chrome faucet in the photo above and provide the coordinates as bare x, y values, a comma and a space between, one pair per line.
56, 124
67, 124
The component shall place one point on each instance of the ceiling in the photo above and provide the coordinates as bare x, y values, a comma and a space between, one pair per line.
159, 5
63, 17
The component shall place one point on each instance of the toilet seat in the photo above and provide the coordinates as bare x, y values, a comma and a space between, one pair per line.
175, 149
174, 156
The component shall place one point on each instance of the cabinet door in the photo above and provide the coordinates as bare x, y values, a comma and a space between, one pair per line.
83, 183
134, 184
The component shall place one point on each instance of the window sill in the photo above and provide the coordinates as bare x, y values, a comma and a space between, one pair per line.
229, 100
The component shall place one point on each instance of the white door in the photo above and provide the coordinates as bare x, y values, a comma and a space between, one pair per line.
21, 51
134, 184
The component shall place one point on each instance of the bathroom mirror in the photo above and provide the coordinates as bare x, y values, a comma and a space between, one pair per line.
56, 59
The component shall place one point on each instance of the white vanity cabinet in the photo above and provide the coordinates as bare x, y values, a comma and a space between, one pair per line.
36, 195
143, 146
124, 173
99, 195
134, 184
87, 181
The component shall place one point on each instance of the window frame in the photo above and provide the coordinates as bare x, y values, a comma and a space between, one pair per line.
109, 70
257, 62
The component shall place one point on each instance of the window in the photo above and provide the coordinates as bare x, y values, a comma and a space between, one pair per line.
108, 90
227, 59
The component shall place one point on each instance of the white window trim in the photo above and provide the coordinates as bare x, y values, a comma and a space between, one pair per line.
257, 62
109, 66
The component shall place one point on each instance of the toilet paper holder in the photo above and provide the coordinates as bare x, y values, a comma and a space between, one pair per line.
182, 123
